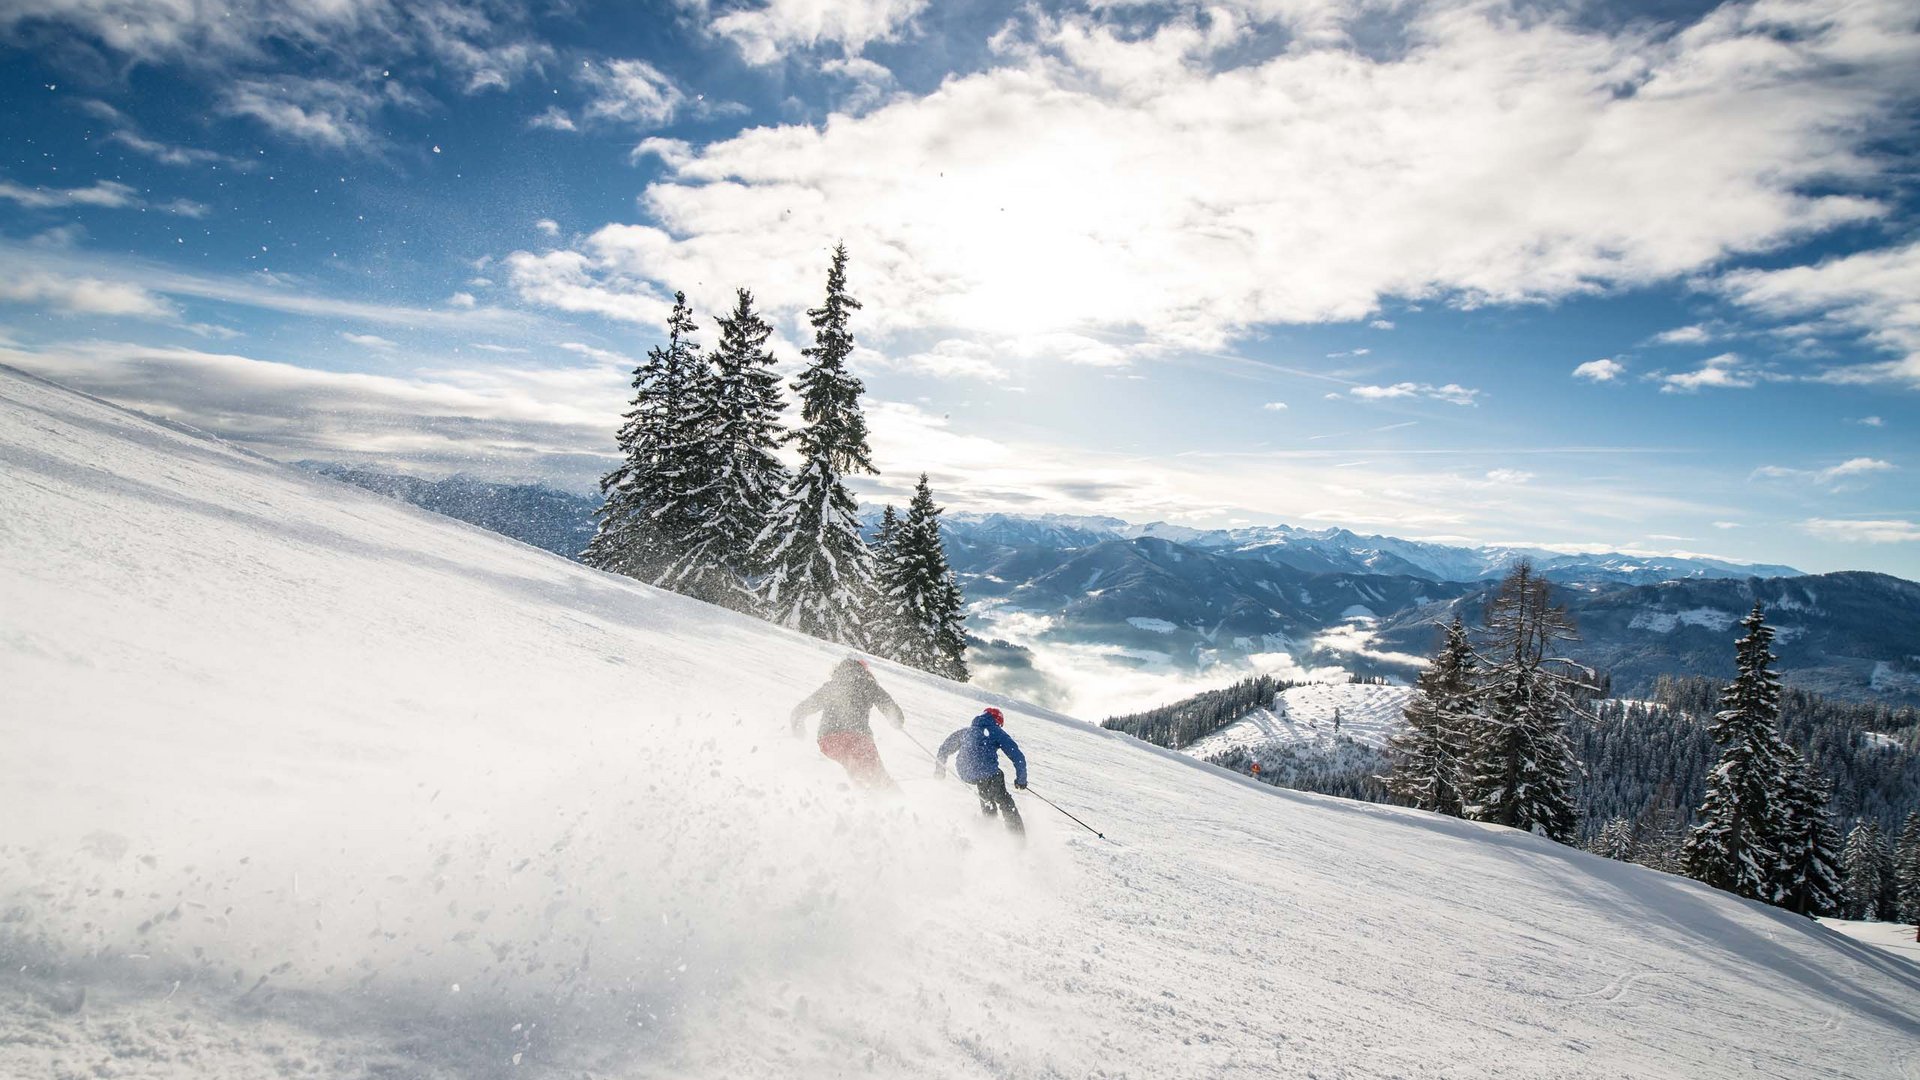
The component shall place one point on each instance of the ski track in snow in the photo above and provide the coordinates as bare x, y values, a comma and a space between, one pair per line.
304, 782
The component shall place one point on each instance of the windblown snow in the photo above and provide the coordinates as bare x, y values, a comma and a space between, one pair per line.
303, 782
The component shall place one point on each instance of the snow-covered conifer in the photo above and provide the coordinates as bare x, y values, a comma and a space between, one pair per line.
649, 502
1867, 870
816, 570
1734, 844
741, 478
1520, 763
1428, 757
884, 625
1808, 848
920, 594
1906, 870
1615, 840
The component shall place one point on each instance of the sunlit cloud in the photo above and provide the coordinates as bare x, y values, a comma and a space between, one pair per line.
1602, 370
1832, 476
1888, 531
986, 209
1872, 293
767, 31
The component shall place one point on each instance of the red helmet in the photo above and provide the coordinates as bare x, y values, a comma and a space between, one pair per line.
998, 718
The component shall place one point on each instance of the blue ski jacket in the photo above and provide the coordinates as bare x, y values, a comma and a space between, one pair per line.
979, 748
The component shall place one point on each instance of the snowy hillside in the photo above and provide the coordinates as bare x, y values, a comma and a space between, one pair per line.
1305, 716
305, 782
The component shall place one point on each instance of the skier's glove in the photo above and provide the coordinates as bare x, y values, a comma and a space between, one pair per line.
1020, 784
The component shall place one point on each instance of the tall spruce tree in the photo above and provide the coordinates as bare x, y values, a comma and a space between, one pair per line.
920, 594
1867, 872
651, 499
1428, 757
737, 425
1735, 844
885, 626
816, 569
1906, 870
1520, 763
1806, 863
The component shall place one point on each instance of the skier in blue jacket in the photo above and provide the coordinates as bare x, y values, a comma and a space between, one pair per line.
979, 747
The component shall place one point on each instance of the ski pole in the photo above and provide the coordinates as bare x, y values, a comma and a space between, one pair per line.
1070, 817
923, 747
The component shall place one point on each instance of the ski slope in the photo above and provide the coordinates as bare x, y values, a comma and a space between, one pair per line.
1304, 715
304, 782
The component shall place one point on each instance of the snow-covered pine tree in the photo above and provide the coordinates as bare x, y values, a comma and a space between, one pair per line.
1520, 763
1615, 840
649, 500
1427, 756
885, 626
1906, 870
1807, 860
1865, 870
738, 434
1734, 844
816, 569
920, 594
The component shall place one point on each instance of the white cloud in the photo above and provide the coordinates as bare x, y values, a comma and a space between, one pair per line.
483, 44
1894, 531
1602, 370
604, 356
1509, 476
952, 359
84, 296
630, 92
548, 226
1875, 293
462, 300
165, 153
1832, 476
554, 119
327, 113
1451, 393
370, 341
1726, 525
1870, 421
1723, 372
105, 193
1381, 324
763, 34
570, 281
1684, 335
1275, 406
1493, 159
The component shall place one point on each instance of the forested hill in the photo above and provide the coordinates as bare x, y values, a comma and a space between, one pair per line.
1190, 719
1644, 761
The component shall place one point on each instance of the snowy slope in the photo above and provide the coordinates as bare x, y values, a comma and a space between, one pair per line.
1304, 715
303, 782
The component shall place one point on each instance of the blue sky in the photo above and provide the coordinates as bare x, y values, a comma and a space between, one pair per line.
1626, 277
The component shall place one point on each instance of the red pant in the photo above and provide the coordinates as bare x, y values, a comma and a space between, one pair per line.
855, 752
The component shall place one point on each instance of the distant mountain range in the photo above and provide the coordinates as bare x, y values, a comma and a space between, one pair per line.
1213, 604
1336, 550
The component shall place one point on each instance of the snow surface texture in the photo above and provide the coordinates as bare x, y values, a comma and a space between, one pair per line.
1303, 715
302, 781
